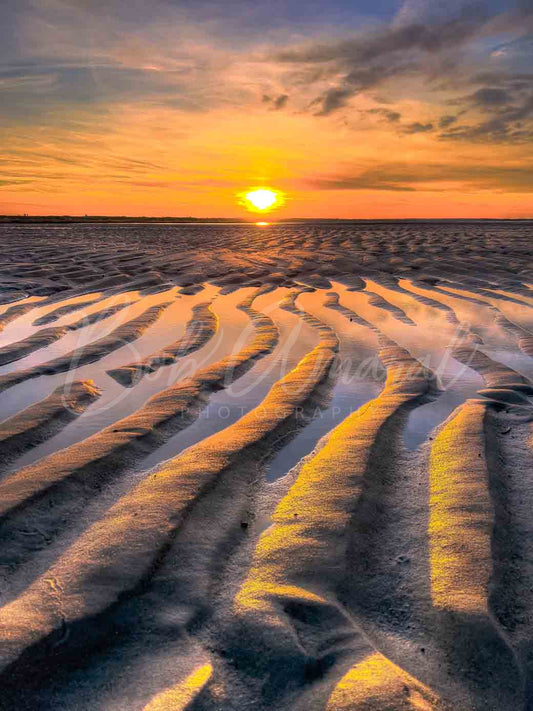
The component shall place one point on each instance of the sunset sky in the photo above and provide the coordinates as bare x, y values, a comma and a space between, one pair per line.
354, 109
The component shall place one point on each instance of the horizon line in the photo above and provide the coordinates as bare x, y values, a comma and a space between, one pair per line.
22, 218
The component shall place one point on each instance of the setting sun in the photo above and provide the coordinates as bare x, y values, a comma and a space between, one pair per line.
261, 199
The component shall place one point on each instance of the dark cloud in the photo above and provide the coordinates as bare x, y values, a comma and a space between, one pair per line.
512, 81
447, 120
387, 114
417, 127
280, 101
14, 181
366, 61
375, 179
494, 131
442, 48
413, 36
409, 177
506, 116
333, 99
490, 96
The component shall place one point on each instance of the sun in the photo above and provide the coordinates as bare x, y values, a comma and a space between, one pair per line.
261, 199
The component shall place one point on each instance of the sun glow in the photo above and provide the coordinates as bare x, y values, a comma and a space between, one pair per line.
261, 199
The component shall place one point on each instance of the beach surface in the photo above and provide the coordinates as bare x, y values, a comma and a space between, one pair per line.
282, 467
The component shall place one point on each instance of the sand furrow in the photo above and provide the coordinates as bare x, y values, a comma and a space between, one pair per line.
510, 462
291, 626
526, 345
461, 529
14, 312
96, 316
45, 336
60, 311
327, 335
465, 515
523, 336
466, 289
125, 333
40, 339
124, 550
380, 303
332, 302
493, 293
375, 684
190, 584
201, 327
434, 286
42, 420
499, 318
487, 300
47, 495
393, 285
452, 314
181, 696
449, 292
461, 513
503, 384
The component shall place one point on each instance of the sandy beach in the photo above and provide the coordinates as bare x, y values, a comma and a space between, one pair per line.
278, 467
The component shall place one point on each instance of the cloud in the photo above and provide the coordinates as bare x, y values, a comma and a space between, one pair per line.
92, 55
367, 47
490, 96
418, 127
387, 114
369, 58
374, 179
443, 49
333, 99
408, 177
276, 103
15, 181
506, 115
281, 101
447, 120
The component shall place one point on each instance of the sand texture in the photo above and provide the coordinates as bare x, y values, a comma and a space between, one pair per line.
249, 469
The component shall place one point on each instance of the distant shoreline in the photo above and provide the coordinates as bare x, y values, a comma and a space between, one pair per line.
103, 219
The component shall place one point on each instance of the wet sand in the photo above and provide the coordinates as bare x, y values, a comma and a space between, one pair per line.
285, 467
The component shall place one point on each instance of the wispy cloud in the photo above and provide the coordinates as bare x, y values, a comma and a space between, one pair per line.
392, 176
428, 52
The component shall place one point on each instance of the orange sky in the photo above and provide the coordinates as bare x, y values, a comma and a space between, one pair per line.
135, 126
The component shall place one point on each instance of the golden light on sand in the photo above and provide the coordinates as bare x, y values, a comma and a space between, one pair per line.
261, 199
262, 224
